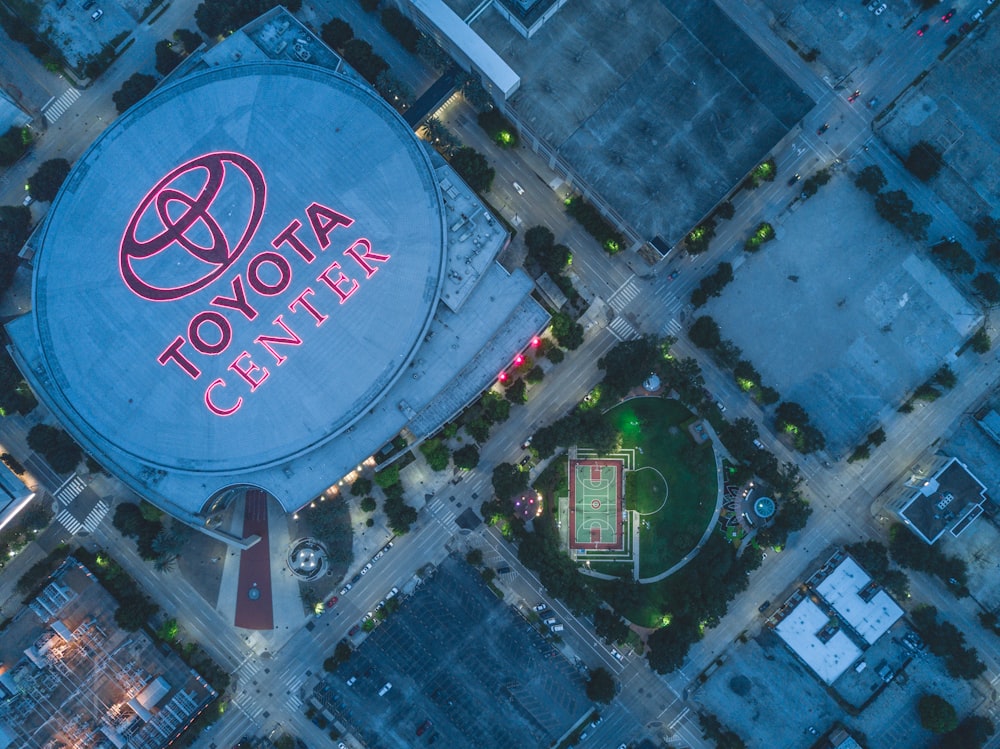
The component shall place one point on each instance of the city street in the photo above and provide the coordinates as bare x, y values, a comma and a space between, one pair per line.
846, 498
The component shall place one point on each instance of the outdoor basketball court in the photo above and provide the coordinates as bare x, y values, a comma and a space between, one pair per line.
595, 504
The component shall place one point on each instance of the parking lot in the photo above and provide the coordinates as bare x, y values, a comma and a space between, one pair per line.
462, 663
948, 109
761, 679
841, 313
78, 35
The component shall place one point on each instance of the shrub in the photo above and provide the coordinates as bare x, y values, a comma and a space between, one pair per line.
401, 27
499, 128
595, 224
473, 167
336, 33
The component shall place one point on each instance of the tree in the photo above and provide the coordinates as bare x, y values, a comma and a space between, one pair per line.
166, 57
401, 27
368, 504
872, 556
790, 413
218, 17
704, 332
698, 240
44, 184
58, 448
516, 391
393, 90
554, 354
534, 375
725, 210
13, 145
360, 56
937, 714
336, 33
945, 377
437, 454
988, 287
972, 733
361, 486
628, 364
387, 476
871, 179
668, 646
508, 480
609, 626
189, 40
134, 612
924, 161
877, 437
953, 255
473, 167
896, 207
601, 686
133, 90
466, 457
567, 331
981, 341
431, 53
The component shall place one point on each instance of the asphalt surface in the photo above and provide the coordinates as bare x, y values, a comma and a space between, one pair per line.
846, 498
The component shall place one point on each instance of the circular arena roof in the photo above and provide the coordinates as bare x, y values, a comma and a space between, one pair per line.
764, 507
239, 268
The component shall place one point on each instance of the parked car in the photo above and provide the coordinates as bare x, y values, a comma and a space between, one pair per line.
28, 200
763, 607
616, 655
794, 178
346, 588
550, 621
353, 630
758, 444
96, 15
332, 602
540, 607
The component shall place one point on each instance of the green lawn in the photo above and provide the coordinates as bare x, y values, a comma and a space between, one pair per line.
656, 425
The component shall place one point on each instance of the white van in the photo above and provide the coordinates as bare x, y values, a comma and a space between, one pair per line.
382, 692
557, 628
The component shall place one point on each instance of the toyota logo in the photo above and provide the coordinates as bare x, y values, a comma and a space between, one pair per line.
182, 223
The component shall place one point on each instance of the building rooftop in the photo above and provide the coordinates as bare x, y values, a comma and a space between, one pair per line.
951, 498
858, 600
817, 639
70, 677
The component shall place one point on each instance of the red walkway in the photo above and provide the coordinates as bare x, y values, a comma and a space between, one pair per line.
255, 568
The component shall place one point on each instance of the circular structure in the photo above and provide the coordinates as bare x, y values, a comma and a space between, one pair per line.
652, 383
763, 507
254, 593
223, 284
306, 559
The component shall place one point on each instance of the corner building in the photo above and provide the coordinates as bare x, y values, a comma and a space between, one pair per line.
258, 276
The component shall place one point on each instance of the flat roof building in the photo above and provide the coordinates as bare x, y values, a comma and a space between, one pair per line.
816, 637
951, 499
226, 297
859, 600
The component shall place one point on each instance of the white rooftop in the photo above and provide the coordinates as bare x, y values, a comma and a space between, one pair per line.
842, 590
800, 629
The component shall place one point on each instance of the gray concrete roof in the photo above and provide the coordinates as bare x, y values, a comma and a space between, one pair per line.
101, 341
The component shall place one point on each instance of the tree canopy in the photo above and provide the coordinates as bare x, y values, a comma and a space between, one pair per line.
336, 33
924, 161
704, 332
473, 167
567, 331
218, 17
59, 449
44, 184
628, 364
937, 714
601, 686
133, 90
871, 179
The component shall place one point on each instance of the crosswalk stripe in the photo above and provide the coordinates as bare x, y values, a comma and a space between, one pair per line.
58, 108
69, 522
622, 330
95, 516
70, 489
621, 298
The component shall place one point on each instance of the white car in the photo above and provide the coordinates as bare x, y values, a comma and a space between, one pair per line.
96, 15
617, 656
540, 607
364, 570
879, 10
28, 200
520, 190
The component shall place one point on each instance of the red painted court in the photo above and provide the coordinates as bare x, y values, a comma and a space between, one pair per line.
255, 568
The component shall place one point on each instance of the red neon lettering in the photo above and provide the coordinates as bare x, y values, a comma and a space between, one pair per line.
218, 411
260, 285
366, 255
324, 220
288, 237
212, 318
238, 301
247, 372
335, 285
301, 300
173, 353
267, 340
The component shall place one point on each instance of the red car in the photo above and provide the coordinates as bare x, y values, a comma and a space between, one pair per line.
853, 97
353, 630
923, 29
948, 16
332, 602
423, 727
